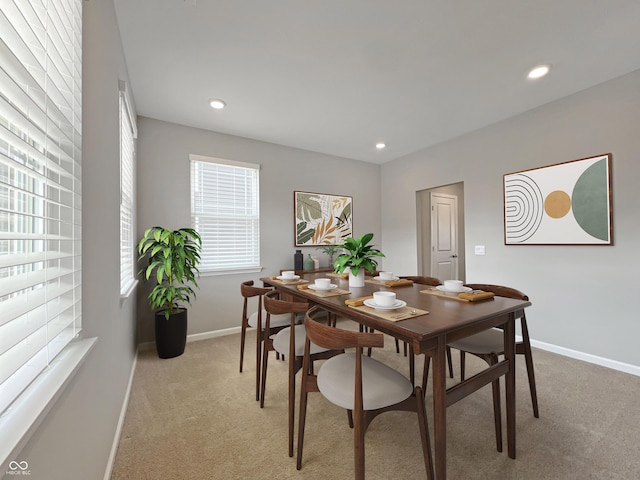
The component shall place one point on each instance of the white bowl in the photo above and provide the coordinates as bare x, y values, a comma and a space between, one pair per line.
288, 274
384, 298
386, 275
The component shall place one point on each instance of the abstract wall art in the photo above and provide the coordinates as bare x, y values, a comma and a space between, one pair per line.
564, 204
322, 219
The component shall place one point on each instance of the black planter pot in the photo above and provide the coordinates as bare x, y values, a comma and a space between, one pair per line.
171, 334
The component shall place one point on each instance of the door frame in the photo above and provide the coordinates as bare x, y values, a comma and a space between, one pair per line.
423, 227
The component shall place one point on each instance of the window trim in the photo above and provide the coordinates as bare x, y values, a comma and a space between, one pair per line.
193, 159
126, 289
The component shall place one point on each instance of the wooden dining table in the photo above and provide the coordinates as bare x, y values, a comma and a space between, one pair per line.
448, 318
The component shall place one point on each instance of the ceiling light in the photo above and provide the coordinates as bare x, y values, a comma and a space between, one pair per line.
217, 104
539, 71
380, 145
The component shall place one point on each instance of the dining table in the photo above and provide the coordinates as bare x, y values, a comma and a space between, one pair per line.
429, 320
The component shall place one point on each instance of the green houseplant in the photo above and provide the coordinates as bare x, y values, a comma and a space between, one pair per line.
173, 259
359, 256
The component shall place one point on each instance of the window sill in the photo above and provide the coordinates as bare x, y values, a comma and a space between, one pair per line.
21, 419
232, 271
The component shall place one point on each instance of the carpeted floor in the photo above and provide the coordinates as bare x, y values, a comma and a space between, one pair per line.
195, 417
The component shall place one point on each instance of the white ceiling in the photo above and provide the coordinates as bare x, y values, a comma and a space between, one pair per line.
337, 76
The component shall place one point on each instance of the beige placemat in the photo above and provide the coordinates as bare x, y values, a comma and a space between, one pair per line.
435, 291
293, 282
344, 276
324, 293
391, 283
396, 315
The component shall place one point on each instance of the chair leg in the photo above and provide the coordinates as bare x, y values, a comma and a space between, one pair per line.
462, 362
424, 432
450, 362
292, 402
425, 372
258, 362
529, 362
412, 367
397, 346
497, 409
265, 358
242, 338
301, 421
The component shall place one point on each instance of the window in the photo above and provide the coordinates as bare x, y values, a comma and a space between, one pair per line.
127, 162
225, 210
40, 204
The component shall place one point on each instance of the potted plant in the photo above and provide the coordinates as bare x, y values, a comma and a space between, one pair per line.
330, 251
173, 258
359, 257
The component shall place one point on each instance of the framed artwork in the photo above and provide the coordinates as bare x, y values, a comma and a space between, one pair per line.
322, 219
564, 204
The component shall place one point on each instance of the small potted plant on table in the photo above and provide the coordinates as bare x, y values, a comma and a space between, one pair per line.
359, 256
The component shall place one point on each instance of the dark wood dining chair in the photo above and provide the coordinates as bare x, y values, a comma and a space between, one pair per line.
256, 320
363, 385
489, 345
288, 342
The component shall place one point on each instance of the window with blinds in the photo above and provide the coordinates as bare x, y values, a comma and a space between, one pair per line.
225, 211
127, 162
40, 191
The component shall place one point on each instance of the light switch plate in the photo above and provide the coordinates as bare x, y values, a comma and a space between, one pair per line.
479, 249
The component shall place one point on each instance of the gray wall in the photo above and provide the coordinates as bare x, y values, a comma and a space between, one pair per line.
75, 439
164, 199
584, 297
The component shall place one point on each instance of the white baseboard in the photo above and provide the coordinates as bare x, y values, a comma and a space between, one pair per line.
197, 336
587, 357
123, 413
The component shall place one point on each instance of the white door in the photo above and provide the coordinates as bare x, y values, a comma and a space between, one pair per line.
444, 238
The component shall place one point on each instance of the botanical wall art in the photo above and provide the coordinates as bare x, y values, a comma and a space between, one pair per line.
564, 204
321, 219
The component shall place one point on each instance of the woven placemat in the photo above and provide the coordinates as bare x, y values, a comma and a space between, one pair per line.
324, 293
391, 283
290, 282
396, 315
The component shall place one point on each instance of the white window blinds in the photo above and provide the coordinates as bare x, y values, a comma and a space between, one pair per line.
40, 203
225, 211
127, 162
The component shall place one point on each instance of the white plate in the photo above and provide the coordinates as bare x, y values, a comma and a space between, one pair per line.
290, 279
385, 279
313, 286
399, 304
446, 290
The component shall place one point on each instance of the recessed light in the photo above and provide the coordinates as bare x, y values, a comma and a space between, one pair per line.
539, 71
380, 145
217, 103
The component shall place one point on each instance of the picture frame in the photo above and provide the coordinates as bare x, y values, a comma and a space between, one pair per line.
568, 203
321, 219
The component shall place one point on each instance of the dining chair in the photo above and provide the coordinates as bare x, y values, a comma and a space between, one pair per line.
432, 282
255, 320
363, 385
288, 342
489, 345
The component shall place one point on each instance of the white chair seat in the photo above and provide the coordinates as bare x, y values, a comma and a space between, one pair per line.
381, 385
275, 321
281, 342
485, 342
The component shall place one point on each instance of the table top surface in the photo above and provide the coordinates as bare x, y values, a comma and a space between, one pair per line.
447, 316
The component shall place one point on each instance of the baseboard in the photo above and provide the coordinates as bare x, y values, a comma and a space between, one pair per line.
123, 413
197, 336
586, 357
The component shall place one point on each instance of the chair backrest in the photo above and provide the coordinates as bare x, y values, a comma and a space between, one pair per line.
274, 306
337, 338
499, 290
431, 281
248, 290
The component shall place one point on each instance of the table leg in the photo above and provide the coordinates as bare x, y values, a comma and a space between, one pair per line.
509, 342
440, 409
